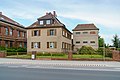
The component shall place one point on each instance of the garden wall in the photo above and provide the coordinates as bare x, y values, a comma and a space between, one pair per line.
116, 55
2, 54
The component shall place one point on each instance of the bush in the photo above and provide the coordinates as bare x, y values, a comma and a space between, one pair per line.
100, 51
86, 50
21, 49
11, 49
58, 54
43, 54
108, 52
11, 53
2, 48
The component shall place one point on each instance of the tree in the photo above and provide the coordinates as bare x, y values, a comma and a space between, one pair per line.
86, 50
115, 41
101, 42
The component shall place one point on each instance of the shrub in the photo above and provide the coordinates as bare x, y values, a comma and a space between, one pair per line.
86, 50
58, 54
100, 51
108, 52
11, 49
21, 49
43, 54
2, 48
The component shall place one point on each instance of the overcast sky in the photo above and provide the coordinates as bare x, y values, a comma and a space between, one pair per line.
105, 14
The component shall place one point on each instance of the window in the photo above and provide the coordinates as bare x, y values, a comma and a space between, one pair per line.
77, 42
25, 44
85, 32
63, 32
6, 31
92, 41
6, 44
63, 45
35, 45
20, 44
77, 33
23, 34
92, 32
36, 33
11, 32
11, 44
51, 44
41, 22
47, 21
85, 42
66, 34
18, 33
51, 32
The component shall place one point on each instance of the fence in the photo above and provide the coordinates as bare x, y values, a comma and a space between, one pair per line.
61, 56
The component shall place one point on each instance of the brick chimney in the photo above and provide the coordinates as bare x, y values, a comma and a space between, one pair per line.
54, 14
47, 13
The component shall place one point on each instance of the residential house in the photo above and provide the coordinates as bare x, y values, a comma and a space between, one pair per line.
48, 34
85, 34
12, 34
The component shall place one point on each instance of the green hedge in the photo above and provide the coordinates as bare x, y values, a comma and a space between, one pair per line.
49, 54
86, 50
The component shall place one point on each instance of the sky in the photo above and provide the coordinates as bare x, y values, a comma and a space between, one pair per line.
105, 14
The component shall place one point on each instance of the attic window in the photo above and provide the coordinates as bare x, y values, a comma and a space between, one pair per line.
47, 21
41, 22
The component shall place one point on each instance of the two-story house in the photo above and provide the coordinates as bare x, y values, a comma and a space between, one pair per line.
12, 34
85, 34
48, 34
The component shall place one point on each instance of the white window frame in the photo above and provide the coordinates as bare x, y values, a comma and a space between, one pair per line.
41, 22
47, 21
11, 32
35, 45
51, 45
52, 32
6, 31
37, 33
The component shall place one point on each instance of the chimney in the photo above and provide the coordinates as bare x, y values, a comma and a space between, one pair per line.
47, 13
54, 14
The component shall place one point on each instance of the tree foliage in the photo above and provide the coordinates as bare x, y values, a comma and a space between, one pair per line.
101, 42
115, 41
86, 50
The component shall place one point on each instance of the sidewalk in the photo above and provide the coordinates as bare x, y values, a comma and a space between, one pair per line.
61, 63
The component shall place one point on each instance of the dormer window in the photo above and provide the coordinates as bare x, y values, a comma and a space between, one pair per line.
47, 21
41, 22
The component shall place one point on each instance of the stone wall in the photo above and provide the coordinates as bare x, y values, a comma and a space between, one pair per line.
116, 55
2, 54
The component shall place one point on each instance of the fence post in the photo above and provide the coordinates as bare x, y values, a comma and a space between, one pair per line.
17, 54
70, 55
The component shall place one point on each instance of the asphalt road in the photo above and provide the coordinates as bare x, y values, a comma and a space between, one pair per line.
22, 73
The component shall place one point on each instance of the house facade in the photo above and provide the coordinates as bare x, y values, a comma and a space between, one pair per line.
48, 34
85, 34
12, 34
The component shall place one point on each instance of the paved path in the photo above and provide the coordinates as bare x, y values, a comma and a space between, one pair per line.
55, 64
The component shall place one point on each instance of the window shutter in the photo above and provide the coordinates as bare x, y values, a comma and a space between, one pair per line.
32, 33
38, 44
47, 44
55, 43
55, 32
31, 44
39, 32
48, 32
